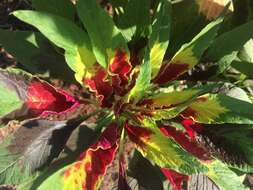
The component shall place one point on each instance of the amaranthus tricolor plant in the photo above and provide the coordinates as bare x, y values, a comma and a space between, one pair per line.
142, 95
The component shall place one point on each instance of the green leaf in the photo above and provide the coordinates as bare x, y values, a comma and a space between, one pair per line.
230, 41
143, 79
66, 35
220, 173
162, 150
246, 53
35, 53
159, 39
244, 67
189, 54
219, 108
64, 8
135, 13
174, 97
235, 153
104, 35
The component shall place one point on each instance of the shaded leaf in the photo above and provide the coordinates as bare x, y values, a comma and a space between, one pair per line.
88, 171
36, 143
230, 41
66, 35
64, 8
34, 53
220, 139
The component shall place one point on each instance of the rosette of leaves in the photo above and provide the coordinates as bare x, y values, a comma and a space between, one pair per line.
121, 58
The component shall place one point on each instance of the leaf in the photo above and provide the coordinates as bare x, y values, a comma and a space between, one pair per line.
220, 174
219, 108
147, 175
245, 53
167, 99
64, 34
176, 179
23, 96
104, 35
159, 38
189, 54
143, 80
35, 143
163, 151
64, 8
220, 140
244, 67
134, 14
88, 171
224, 45
35, 53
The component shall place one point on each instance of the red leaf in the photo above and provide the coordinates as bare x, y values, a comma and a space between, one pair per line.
176, 179
43, 99
98, 84
169, 72
120, 68
94, 161
138, 134
188, 144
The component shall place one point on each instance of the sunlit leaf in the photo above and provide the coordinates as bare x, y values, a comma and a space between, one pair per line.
163, 151
160, 35
219, 108
66, 35
189, 54
104, 35
88, 171
23, 96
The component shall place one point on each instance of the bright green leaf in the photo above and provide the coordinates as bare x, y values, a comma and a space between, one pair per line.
66, 35
104, 35
159, 38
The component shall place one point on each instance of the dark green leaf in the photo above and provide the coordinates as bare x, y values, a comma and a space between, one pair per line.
64, 8
230, 41
35, 53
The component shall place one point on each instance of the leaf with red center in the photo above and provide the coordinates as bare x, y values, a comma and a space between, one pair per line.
176, 179
87, 173
98, 83
44, 99
219, 108
163, 151
120, 69
189, 54
23, 96
190, 145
